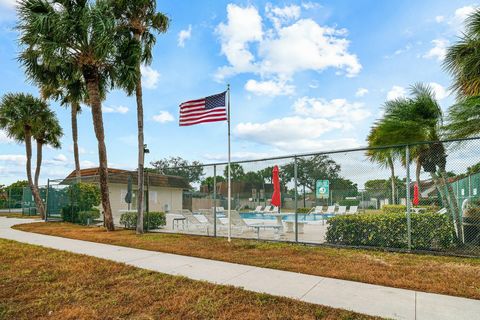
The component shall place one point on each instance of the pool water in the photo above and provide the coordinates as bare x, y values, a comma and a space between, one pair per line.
289, 217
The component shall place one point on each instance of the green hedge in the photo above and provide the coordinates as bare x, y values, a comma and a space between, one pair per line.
155, 220
429, 230
401, 209
74, 215
348, 202
303, 210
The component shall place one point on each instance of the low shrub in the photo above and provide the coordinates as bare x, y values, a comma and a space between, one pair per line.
303, 210
75, 215
400, 208
429, 230
394, 208
349, 202
155, 220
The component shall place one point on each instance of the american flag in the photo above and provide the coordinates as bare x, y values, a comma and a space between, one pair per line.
208, 109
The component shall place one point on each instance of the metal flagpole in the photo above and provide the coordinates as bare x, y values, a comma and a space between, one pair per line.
229, 206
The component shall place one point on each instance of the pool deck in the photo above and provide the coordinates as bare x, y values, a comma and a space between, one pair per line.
392, 303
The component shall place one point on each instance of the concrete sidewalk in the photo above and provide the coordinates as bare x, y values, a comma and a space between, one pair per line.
355, 296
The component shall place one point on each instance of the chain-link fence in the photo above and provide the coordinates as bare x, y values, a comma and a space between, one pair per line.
11, 199
423, 197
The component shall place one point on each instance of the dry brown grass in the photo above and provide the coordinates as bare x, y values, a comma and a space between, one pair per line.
40, 283
17, 215
437, 274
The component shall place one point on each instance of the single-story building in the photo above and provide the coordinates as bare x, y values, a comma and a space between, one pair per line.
162, 192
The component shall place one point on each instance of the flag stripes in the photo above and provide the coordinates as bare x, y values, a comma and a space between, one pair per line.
209, 109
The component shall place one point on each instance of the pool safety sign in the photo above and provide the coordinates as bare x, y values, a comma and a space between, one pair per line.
322, 190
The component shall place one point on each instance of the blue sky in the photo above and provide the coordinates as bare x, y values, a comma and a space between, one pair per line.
305, 76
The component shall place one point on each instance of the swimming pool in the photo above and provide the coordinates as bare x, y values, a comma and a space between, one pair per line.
288, 217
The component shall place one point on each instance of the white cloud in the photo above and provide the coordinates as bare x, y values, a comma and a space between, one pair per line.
81, 150
310, 5
438, 51
339, 109
163, 117
293, 45
462, 13
280, 16
115, 109
269, 88
439, 90
19, 159
396, 92
439, 19
150, 77
361, 92
184, 35
61, 158
236, 156
88, 164
244, 26
4, 138
9, 4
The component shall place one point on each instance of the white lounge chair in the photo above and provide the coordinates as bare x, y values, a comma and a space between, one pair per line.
191, 220
266, 209
442, 211
258, 209
316, 210
342, 210
274, 210
352, 210
330, 210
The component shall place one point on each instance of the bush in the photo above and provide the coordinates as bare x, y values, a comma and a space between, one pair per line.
348, 202
303, 210
400, 208
155, 220
394, 208
83, 198
429, 230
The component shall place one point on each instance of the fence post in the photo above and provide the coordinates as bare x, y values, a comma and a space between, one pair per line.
147, 198
46, 200
409, 226
295, 169
9, 199
214, 200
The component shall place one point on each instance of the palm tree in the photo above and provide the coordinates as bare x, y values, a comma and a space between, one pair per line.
415, 119
461, 61
79, 36
21, 115
137, 19
384, 157
48, 132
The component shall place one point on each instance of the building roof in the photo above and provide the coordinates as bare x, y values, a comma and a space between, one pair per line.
121, 176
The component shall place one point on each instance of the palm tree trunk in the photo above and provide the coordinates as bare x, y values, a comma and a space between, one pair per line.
39, 162
141, 154
456, 212
392, 170
33, 188
92, 81
417, 175
74, 109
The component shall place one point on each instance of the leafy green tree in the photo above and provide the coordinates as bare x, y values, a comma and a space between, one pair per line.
80, 36
254, 179
208, 181
177, 166
236, 171
473, 169
137, 20
311, 169
21, 116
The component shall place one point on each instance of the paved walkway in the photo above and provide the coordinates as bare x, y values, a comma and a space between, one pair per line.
359, 297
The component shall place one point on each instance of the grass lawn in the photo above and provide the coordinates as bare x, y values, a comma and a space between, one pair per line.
44, 283
437, 274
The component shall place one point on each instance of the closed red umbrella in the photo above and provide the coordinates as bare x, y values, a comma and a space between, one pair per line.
276, 196
416, 198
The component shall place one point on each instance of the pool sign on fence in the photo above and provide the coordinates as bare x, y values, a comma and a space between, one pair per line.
322, 189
